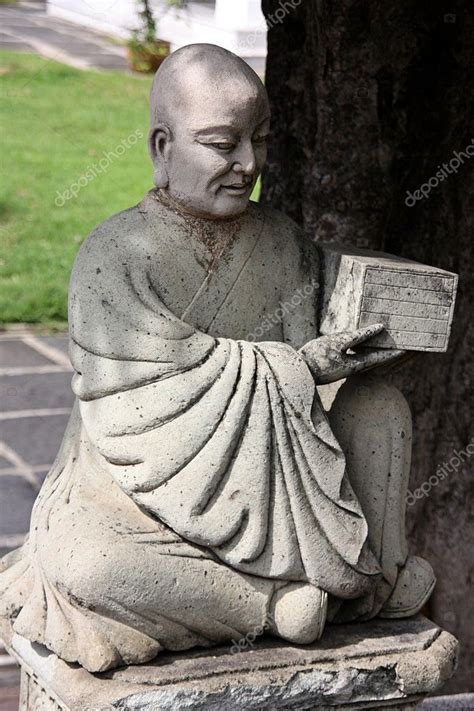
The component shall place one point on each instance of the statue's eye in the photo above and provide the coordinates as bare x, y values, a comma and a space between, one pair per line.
224, 146
260, 139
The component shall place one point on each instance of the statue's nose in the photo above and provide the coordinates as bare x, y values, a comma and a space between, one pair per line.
245, 160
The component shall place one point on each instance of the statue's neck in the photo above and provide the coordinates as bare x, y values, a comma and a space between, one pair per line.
216, 235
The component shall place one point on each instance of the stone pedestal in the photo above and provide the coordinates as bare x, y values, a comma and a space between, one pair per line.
380, 664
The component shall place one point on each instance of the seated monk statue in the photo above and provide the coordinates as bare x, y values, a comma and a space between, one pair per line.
201, 490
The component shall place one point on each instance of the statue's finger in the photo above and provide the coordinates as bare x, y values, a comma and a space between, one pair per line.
353, 338
371, 358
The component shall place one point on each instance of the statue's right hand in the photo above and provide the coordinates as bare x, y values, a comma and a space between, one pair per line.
329, 360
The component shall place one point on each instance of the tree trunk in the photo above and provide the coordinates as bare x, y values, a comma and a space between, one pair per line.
370, 98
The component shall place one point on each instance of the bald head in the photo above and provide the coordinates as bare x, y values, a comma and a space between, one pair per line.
209, 123
198, 72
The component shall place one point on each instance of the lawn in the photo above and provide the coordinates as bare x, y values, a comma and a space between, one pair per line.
63, 131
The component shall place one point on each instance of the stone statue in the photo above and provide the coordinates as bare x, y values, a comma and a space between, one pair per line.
201, 490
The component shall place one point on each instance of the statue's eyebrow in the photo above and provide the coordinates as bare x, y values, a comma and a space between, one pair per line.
262, 123
210, 130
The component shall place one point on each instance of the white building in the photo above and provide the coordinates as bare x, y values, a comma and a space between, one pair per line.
238, 25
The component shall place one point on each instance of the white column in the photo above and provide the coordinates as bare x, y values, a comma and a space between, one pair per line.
239, 14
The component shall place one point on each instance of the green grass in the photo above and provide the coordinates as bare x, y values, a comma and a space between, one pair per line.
56, 124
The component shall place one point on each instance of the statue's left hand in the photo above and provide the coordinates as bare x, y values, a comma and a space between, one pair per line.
329, 360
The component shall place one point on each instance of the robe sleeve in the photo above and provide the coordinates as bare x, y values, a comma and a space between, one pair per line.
213, 436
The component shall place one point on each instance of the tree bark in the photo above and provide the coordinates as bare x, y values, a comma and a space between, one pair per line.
370, 98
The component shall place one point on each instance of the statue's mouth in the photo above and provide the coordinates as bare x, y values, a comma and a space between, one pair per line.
237, 188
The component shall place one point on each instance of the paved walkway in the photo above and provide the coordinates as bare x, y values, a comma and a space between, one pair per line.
26, 27
35, 402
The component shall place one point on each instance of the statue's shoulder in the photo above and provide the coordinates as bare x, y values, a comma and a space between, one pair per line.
287, 236
278, 221
122, 235
121, 229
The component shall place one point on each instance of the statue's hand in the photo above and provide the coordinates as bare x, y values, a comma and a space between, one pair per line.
328, 359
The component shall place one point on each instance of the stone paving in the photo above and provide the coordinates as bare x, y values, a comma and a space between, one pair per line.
36, 399
35, 402
26, 27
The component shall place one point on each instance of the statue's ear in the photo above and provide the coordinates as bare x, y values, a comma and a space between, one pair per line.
158, 146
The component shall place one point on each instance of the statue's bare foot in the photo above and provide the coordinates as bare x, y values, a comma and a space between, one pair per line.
413, 588
299, 612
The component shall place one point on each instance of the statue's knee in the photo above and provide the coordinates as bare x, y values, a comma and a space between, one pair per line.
371, 399
85, 574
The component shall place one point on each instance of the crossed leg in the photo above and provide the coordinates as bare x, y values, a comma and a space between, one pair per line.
372, 422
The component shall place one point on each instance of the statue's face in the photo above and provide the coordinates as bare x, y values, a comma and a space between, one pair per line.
217, 149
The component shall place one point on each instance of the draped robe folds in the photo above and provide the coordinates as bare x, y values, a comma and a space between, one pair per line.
222, 440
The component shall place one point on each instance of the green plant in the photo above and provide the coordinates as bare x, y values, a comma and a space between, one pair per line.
149, 24
147, 35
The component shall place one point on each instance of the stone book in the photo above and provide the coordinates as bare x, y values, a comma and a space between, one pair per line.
415, 302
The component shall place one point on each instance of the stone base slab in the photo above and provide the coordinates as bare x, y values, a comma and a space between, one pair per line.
379, 664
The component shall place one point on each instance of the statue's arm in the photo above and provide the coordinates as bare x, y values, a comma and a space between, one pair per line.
115, 310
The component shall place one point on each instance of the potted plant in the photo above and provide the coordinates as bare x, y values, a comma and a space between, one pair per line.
145, 50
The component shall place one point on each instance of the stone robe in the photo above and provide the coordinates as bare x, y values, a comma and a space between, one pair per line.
198, 472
